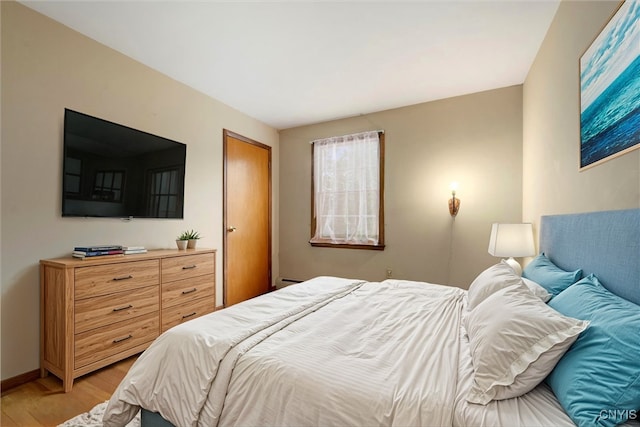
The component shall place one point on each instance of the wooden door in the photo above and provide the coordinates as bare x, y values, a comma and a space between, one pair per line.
247, 218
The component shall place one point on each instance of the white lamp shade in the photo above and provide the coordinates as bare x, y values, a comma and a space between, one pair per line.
511, 240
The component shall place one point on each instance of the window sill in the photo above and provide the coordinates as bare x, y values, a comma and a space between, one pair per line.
378, 247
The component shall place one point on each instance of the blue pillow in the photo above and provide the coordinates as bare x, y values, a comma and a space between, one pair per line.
551, 277
597, 381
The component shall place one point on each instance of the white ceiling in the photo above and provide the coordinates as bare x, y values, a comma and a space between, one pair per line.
296, 62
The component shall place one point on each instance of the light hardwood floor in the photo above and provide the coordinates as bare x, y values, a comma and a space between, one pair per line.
44, 403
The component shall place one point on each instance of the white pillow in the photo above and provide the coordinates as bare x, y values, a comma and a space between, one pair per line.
492, 279
537, 289
516, 340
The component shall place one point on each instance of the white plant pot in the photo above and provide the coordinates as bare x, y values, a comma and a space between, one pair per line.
192, 243
182, 244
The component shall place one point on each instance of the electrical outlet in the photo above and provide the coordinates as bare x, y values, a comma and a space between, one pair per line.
389, 273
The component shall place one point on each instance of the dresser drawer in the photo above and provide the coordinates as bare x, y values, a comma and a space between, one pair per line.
104, 310
185, 291
184, 267
178, 314
109, 278
98, 344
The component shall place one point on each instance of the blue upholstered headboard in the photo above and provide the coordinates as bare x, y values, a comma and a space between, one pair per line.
604, 243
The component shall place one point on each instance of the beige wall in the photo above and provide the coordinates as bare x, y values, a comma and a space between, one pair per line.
551, 126
475, 140
47, 67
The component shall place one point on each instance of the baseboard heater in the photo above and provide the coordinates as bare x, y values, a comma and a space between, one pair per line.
281, 282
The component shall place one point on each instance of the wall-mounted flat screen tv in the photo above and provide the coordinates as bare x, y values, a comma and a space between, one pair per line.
114, 171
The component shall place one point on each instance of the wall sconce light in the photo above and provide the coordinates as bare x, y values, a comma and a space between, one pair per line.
454, 202
512, 240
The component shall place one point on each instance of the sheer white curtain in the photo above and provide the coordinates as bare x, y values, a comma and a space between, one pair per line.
346, 186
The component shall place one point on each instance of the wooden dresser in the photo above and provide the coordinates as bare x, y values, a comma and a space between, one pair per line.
97, 311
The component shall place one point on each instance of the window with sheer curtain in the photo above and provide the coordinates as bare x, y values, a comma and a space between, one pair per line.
348, 191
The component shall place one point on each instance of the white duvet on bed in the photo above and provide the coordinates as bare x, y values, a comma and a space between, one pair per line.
322, 352
335, 366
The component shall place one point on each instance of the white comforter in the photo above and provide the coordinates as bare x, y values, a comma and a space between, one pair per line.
329, 351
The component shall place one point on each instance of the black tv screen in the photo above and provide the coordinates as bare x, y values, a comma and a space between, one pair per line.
114, 171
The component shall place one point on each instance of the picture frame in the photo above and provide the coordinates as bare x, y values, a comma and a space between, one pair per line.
610, 89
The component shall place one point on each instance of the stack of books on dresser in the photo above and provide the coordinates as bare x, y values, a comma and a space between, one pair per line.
96, 251
84, 252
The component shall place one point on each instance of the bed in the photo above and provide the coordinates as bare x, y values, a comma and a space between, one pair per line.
338, 351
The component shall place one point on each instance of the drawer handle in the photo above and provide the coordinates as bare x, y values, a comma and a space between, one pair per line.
189, 315
123, 277
189, 291
188, 267
123, 308
116, 341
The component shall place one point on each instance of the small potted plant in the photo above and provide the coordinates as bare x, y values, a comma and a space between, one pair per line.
192, 237
182, 240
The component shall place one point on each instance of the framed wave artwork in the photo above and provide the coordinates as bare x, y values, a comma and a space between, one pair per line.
610, 89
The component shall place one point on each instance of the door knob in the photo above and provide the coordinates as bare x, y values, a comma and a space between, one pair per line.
231, 229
